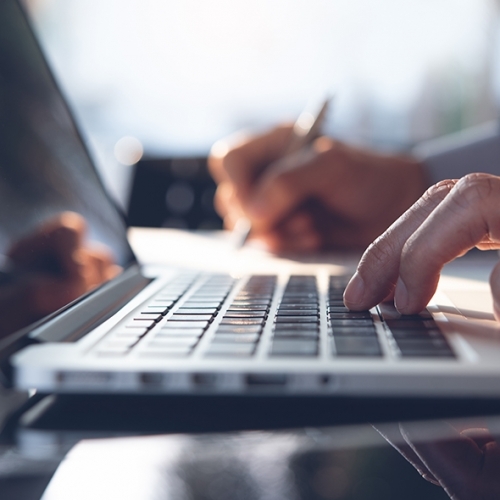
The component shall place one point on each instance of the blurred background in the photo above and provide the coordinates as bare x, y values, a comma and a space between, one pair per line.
164, 79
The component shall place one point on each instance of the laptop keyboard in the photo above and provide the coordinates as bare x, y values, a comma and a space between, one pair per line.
175, 321
296, 329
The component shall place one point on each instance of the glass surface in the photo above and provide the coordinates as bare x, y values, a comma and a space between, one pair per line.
457, 459
60, 235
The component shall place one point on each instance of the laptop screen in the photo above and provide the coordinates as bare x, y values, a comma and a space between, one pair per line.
60, 234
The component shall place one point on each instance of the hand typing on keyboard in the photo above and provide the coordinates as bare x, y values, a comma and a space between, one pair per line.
405, 262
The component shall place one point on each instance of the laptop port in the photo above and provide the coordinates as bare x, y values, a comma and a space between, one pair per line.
205, 379
266, 379
151, 379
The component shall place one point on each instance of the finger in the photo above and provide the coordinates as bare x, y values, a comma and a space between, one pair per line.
392, 434
378, 270
468, 216
239, 160
227, 205
480, 435
464, 469
222, 198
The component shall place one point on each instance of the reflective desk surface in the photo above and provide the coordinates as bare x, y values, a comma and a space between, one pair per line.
458, 458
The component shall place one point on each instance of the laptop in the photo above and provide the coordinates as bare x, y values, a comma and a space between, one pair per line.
160, 329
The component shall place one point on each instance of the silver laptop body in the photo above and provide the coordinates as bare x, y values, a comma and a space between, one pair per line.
162, 329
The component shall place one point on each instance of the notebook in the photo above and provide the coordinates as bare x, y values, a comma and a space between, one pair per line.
182, 328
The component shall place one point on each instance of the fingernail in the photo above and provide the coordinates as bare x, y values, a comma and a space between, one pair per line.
401, 296
355, 290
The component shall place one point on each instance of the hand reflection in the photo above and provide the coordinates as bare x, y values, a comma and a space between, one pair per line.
465, 463
49, 268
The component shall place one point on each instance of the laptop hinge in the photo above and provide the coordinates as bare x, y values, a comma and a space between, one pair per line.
76, 319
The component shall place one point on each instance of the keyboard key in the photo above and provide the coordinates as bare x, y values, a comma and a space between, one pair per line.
416, 333
225, 350
159, 308
199, 304
245, 315
410, 323
425, 353
170, 352
349, 315
297, 319
351, 322
239, 329
357, 346
346, 331
191, 317
294, 347
240, 322
255, 298
184, 324
296, 326
298, 307
297, 312
167, 304
337, 308
424, 347
208, 297
388, 311
180, 332
154, 315
145, 319
309, 334
196, 311
238, 308
167, 343
228, 338
292, 303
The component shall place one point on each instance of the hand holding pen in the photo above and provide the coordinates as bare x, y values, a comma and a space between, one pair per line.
306, 129
320, 194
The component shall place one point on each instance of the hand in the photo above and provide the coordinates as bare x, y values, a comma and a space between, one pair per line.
51, 267
329, 195
466, 463
405, 262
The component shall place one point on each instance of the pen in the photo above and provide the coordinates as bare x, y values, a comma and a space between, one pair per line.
305, 130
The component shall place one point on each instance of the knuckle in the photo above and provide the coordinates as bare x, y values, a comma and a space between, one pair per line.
473, 190
380, 253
